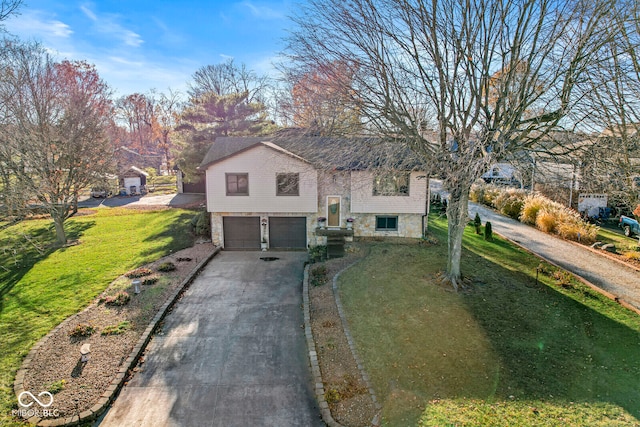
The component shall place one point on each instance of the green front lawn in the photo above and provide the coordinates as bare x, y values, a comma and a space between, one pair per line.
41, 286
508, 352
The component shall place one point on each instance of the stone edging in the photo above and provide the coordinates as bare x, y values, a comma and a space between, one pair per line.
118, 381
596, 288
313, 355
376, 419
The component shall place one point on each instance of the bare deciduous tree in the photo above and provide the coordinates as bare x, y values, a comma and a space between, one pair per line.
228, 78
317, 102
52, 127
462, 83
612, 112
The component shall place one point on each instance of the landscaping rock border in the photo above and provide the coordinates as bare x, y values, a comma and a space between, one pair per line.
118, 381
313, 355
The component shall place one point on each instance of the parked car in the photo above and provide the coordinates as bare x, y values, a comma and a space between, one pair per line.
99, 192
629, 225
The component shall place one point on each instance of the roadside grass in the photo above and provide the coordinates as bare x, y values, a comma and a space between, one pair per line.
41, 285
615, 236
509, 351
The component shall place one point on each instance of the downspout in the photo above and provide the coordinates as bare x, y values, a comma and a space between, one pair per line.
425, 217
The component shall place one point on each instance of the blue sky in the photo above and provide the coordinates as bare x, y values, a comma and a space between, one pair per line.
138, 45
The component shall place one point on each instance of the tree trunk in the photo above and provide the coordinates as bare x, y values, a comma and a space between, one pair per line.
61, 236
457, 217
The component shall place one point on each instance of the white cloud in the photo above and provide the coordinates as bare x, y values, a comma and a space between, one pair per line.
262, 12
109, 26
88, 12
36, 24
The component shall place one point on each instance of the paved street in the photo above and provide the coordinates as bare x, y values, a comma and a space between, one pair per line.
603, 272
231, 353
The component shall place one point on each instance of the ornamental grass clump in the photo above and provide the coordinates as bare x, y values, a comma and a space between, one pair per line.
118, 329
530, 208
491, 193
510, 202
546, 220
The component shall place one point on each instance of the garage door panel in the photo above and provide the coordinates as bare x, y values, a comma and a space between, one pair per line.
288, 232
241, 233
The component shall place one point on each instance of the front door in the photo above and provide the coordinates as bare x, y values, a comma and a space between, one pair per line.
333, 211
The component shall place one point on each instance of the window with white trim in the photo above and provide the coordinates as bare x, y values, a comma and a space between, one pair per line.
237, 184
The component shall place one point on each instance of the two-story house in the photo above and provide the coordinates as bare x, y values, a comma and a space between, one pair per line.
280, 192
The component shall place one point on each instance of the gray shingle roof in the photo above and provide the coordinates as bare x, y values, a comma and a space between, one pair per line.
323, 152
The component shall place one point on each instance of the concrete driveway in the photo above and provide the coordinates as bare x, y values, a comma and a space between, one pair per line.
231, 353
173, 200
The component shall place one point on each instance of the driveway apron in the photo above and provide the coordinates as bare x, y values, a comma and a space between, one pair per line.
231, 353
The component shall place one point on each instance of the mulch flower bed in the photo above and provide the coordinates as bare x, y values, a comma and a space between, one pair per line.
346, 393
112, 326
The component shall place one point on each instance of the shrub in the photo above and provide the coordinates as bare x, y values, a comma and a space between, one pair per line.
82, 330
165, 267
491, 194
148, 281
546, 220
488, 232
118, 329
202, 224
477, 223
530, 208
139, 272
477, 193
118, 300
332, 396
510, 202
318, 275
317, 253
578, 231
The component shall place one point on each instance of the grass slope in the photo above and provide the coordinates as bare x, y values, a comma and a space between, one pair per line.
39, 286
509, 352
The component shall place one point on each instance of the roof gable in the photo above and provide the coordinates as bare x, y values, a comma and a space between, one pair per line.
322, 152
224, 148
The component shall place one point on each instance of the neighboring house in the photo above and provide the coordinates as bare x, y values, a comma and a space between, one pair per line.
133, 181
274, 191
127, 156
501, 174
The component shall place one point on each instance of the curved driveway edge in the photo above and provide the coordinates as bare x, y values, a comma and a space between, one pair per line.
118, 381
230, 353
618, 281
